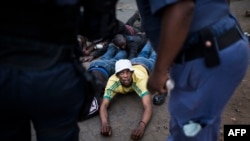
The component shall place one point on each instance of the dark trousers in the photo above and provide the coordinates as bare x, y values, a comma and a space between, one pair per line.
51, 99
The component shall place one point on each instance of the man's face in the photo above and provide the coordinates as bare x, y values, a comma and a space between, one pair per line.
125, 77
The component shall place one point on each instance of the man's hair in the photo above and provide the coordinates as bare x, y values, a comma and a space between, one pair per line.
118, 39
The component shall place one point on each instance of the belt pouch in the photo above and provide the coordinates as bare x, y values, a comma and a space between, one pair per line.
209, 48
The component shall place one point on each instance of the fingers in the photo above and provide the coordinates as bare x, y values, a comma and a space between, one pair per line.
137, 133
106, 131
158, 90
157, 84
137, 136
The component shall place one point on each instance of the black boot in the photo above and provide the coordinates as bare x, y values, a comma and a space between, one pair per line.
159, 99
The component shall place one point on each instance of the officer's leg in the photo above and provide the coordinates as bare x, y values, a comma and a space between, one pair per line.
55, 102
14, 123
200, 94
208, 133
14, 127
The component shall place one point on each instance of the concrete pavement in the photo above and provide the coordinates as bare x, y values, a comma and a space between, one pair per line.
125, 112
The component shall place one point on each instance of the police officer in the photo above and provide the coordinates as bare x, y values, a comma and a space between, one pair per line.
202, 46
41, 78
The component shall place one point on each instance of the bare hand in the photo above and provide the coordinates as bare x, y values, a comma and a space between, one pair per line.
138, 132
106, 130
157, 83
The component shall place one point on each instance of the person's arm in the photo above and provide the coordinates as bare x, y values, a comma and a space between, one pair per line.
176, 21
147, 105
87, 50
141, 90
138, 132
105, 127
108, 95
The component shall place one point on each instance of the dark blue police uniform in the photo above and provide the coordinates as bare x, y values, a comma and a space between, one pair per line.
203, 85
41, 78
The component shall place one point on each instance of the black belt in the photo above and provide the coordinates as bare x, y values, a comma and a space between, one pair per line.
195, 51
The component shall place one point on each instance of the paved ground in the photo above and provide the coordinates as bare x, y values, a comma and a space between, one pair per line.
125, 113
126, 110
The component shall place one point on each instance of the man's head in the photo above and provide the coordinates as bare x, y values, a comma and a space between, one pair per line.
120, 41
124, 71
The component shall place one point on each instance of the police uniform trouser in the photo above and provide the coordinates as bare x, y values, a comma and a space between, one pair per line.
201, 93
51, 99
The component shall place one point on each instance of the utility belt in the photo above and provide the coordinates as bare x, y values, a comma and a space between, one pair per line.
208, 46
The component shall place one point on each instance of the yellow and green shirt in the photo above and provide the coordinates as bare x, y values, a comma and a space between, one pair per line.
140, 78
